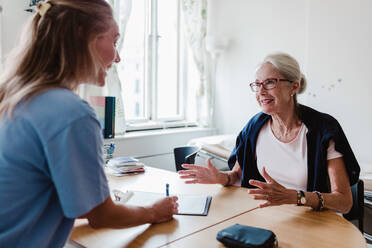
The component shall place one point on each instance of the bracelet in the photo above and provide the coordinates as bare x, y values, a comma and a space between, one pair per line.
228, 180
321, 201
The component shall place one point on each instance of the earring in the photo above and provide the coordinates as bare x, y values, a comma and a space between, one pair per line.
291, 94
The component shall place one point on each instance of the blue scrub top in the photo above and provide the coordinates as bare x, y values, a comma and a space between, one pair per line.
51, 169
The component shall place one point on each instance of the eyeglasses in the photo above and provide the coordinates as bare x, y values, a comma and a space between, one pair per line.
267, 84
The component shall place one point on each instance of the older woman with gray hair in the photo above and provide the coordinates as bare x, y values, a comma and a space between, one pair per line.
288, 153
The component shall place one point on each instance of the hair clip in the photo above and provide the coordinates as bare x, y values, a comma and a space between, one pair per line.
43, 7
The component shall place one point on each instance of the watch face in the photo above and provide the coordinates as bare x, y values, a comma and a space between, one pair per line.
303, 200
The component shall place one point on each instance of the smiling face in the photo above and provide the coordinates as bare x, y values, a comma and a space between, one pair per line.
277, 100
106, 50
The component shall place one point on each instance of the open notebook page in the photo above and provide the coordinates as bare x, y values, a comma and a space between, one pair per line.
187, 204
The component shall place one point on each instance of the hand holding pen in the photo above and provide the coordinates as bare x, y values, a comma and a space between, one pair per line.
165, 208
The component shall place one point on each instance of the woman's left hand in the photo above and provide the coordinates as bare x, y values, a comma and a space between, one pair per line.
271, 191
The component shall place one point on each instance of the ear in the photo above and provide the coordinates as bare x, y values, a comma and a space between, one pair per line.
295, 87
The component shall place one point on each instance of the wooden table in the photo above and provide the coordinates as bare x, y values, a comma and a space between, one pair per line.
294, 227
229, 205
223, 206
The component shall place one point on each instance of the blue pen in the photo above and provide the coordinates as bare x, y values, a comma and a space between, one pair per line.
167, 189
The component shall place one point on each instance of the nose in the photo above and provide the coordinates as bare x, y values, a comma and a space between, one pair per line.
261, 89
117, 57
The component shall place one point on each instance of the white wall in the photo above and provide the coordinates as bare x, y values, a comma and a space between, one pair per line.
14, 17
1, 34
339, 65
255, 28
330, 39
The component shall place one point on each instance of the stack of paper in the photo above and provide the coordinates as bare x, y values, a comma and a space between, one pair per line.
125, 165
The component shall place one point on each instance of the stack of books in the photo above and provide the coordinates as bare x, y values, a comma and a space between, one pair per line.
125, 165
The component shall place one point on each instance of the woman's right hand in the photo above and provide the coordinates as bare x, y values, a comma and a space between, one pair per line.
202, 174
164, 209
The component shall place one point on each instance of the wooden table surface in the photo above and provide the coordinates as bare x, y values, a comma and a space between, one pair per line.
294, 226
226, 202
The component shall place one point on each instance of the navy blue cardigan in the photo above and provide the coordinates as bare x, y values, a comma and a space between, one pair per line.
321, 129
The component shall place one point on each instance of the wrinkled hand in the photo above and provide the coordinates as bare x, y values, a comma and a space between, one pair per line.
271, 191
164, 209
200, 174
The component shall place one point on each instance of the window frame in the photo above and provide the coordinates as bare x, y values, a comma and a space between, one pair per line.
151, 64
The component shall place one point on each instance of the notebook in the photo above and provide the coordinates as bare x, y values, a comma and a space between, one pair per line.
187, 204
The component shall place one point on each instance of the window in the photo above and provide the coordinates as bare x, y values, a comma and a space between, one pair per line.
155, 66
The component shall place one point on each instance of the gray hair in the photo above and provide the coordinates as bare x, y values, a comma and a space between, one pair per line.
289, 68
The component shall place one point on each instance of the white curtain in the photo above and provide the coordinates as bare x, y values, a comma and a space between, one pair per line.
195, 28
121, 9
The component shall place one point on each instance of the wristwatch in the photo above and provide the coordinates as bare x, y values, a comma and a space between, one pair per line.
301, 199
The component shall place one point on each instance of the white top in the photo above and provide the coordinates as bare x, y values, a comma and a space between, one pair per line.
286, 162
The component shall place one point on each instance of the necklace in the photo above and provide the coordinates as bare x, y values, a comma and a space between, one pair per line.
286, 135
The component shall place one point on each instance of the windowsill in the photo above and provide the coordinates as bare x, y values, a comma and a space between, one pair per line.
158, 132
152, 125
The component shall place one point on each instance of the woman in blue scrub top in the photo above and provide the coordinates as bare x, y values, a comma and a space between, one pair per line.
51, 161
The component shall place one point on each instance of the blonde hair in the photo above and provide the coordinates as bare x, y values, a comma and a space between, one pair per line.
56, 50
289, 68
